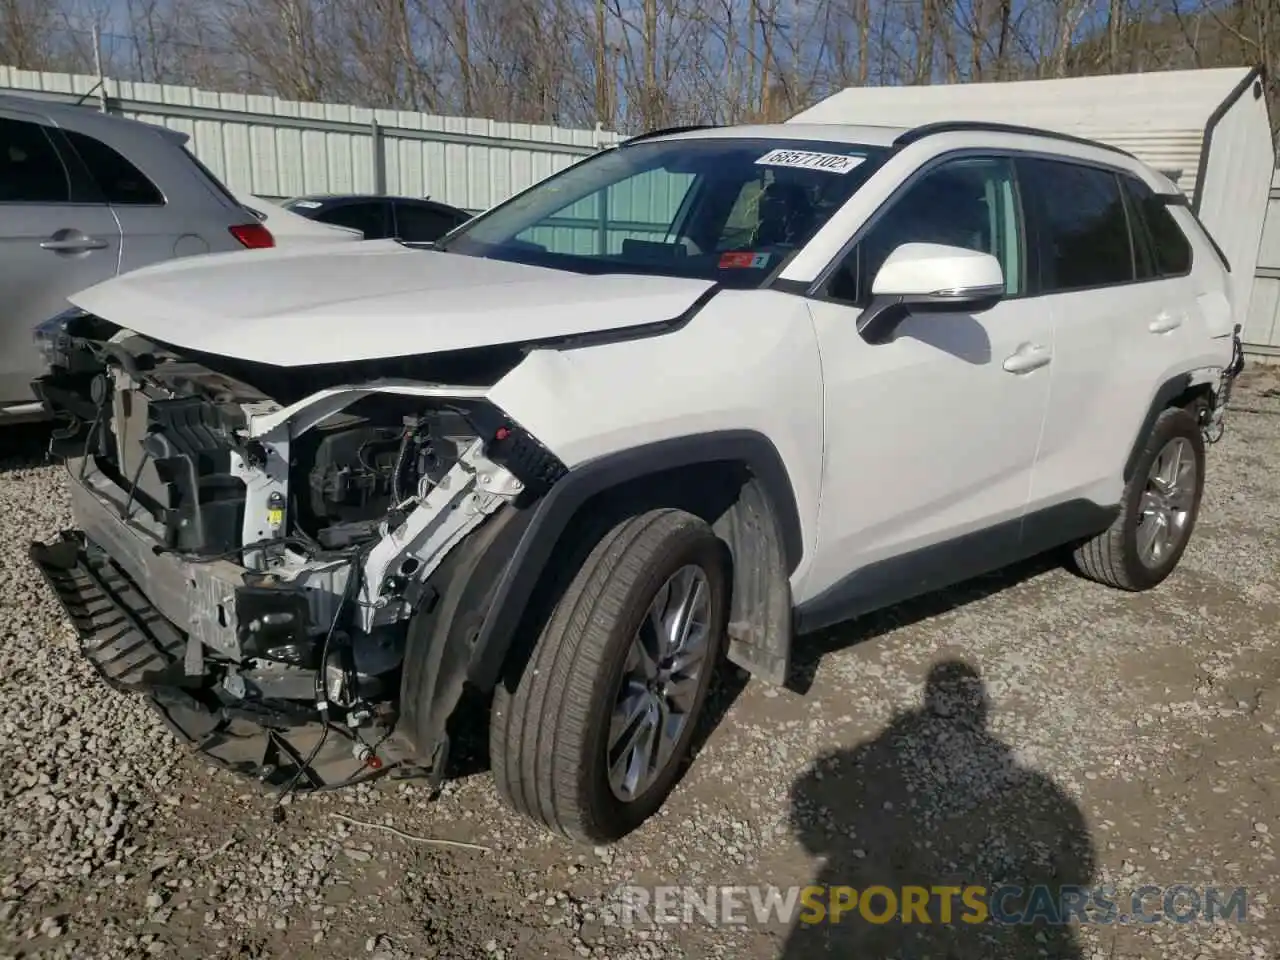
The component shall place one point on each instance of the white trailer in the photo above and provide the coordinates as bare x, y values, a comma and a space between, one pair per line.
1263, 327
1207, 130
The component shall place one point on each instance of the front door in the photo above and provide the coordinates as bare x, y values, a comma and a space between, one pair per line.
930, 438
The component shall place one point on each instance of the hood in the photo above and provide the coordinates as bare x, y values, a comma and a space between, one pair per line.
375, 299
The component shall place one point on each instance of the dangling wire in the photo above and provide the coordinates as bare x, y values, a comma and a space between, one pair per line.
349, 591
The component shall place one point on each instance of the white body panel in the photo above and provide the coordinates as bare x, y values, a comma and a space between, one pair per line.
747, 361
905, 467
1107, 368
358, 301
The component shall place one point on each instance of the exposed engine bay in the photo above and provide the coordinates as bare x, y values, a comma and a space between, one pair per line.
255, 543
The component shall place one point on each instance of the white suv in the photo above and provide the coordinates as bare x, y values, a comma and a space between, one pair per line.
695, 396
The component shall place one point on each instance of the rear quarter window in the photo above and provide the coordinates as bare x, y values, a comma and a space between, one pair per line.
117, 178
1171, 247
1166, 245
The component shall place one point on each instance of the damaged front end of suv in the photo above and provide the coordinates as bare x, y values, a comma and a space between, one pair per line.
292, 564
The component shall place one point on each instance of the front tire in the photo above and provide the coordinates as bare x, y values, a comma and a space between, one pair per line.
1158, 512
591, 736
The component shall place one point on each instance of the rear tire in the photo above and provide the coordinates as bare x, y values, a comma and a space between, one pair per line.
1158, 511
556, 727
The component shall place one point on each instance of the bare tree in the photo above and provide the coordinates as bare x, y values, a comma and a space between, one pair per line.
632, 64
26, 33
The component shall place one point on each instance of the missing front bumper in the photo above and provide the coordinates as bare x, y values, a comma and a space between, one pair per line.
134, 648
121, 633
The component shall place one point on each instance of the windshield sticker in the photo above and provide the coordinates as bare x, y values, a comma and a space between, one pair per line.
828, 162
743, 260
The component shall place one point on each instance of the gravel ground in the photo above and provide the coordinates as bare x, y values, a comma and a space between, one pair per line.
1123, 739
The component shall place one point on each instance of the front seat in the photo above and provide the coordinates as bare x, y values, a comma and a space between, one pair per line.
786, 215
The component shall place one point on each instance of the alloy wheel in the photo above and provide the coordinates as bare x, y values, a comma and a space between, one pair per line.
660, 683
1164, 512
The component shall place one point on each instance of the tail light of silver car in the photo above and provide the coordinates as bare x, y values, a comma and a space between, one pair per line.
253, 236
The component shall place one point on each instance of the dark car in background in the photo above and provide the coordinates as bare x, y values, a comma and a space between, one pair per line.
408, 219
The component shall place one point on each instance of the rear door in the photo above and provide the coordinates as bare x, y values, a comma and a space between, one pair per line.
150, 230
57, 237
1119, 326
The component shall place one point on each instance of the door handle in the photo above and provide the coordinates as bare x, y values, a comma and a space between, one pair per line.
1165, 322
73, 244
1028, 357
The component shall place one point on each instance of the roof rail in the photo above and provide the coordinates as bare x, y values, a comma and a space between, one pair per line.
667, 131
961, 126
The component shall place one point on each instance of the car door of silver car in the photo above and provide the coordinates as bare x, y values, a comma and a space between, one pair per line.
150, 230
57, 236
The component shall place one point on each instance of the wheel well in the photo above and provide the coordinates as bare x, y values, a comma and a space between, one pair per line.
1178, 393
1196, 400
737, 505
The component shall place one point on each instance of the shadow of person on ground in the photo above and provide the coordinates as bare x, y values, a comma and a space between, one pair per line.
938, 800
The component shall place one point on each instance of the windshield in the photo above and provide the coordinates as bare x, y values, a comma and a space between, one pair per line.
729, 210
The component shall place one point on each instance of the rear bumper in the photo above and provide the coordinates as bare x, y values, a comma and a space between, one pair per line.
1236, 366
1213, 424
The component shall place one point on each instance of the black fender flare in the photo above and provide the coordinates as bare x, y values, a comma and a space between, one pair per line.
1169, 391
554, 511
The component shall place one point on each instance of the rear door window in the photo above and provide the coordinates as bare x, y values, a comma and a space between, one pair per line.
31, 170
419, 223
1144, 254
1083, 227
118, 180
369, 217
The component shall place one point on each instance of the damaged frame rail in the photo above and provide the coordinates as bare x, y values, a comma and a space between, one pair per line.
157, 623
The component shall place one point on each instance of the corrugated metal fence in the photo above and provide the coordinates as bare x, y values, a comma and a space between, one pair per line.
1262, 330
283, 148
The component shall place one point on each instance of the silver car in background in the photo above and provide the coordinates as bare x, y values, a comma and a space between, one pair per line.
85, 196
